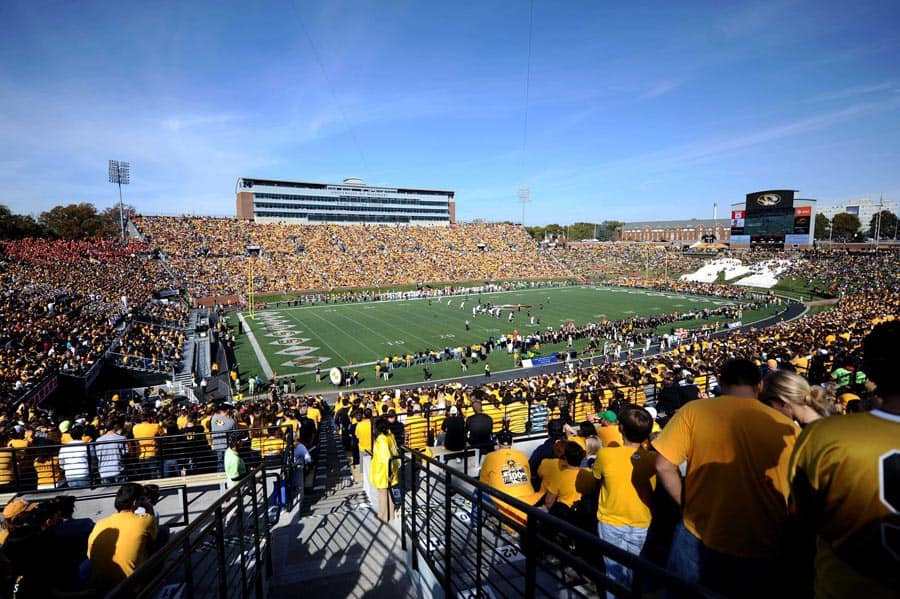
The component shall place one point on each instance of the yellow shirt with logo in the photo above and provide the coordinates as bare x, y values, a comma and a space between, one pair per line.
507, 470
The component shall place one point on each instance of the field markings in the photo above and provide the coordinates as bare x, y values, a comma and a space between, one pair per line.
251, 337
322, 337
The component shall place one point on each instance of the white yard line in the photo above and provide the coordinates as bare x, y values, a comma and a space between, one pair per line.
256, 348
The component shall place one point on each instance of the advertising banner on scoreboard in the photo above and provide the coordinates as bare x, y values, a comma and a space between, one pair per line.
737, 222
802, 220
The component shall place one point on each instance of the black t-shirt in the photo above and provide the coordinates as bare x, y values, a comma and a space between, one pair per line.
480, 427
669, 400
455, 429
689, 393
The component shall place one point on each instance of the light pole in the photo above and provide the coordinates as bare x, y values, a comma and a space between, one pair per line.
524, 198
252, 251
120, 174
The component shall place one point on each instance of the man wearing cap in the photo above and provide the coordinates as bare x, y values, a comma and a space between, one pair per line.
608, 429
64, 427
627, 475
13, 510
734, 493
220, 425
454, 428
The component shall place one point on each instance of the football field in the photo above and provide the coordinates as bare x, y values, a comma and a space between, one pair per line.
294, 339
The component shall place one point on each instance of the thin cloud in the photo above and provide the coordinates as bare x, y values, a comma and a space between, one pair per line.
662, 88
853, 92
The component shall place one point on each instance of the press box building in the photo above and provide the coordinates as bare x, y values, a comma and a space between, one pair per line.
350, 202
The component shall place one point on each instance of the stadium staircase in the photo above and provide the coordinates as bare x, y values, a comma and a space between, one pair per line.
334, 545
183, 378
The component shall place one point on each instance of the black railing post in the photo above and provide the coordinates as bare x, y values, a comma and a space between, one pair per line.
256, 537
220, 553
16, 471
448, 524
266, 526
428, 493
91, 449
412, 521
530, 557
188, 566
478, 539
240, 519
404, 464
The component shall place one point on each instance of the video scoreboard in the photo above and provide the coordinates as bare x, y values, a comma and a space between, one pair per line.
772, 219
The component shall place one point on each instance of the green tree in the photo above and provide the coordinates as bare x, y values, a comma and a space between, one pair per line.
845, 226
537, 233
76, 221
822, 227
17, 226
606, 230
111, 227
888, 225
581, 231
554, 230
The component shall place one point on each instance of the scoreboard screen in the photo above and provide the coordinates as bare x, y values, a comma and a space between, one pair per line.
770, 219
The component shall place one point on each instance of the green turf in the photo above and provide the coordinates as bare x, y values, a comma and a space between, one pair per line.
805, 289
359, 334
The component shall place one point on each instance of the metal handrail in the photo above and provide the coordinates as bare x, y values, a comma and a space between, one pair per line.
146, 458
537, 537
584, 404
177, 563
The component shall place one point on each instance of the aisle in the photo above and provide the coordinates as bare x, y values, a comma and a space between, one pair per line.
334, 545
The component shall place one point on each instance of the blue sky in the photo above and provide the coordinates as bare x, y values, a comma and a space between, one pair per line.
652, 111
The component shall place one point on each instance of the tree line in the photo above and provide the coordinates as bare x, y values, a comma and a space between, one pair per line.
604, 231
75, 221
846, 227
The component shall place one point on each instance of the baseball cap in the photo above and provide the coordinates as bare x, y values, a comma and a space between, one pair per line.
845, 398
64, 426
772, 363
453, 411
504, 438
16, 508
609, 416
652, 411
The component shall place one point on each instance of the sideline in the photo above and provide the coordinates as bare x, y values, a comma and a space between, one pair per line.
263, 362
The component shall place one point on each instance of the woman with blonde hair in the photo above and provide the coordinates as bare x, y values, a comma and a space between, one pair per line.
792, 395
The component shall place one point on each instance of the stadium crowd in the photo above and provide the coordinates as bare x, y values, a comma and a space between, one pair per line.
625, 260
210, 254
62, 302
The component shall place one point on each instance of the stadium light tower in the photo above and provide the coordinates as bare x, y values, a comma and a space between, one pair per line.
524, 198
120, 174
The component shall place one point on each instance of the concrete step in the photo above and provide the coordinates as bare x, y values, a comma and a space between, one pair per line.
334, 544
